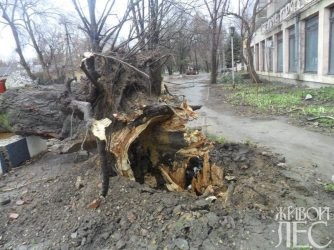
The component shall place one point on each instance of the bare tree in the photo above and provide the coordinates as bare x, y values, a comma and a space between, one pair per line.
148, 17
183, 44
35, 18
30, 20
201, 30
96, 27
217, 10
156, 23
54, 45
248, 18
10, 17
178, 40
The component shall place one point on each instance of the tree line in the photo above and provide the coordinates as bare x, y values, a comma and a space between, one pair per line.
191, 33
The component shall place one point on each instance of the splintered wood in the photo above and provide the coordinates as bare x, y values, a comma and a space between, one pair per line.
160, 136
146, 135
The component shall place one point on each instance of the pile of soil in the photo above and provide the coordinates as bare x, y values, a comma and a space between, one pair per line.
54, 199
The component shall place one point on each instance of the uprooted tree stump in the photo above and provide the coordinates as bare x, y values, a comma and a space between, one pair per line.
141, 135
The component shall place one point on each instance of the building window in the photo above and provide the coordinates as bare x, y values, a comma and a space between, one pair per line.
257, 52
252, 49
280, 52
263, 50
331, 44
311, 45
292, 50
269, 54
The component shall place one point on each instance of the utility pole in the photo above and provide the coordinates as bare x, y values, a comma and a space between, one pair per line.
232, 29
242, 42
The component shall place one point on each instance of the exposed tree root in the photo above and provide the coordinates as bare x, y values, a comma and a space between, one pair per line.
147, 137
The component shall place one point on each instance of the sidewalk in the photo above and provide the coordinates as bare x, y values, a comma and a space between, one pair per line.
307, 153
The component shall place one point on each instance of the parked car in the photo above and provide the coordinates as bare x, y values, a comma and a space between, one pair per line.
191, 71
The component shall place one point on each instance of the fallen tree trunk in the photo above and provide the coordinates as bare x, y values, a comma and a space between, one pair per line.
39, 110
32, 110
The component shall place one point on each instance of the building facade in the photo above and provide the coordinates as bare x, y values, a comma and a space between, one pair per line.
296, 42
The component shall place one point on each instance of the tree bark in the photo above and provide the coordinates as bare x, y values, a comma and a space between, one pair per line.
155, 78
105, 169
170, 69
94, 36
213, 76
207, 67
250, 63
33, 111
196, 61
216, 14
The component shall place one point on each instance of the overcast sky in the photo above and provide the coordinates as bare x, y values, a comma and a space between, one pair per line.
7, 43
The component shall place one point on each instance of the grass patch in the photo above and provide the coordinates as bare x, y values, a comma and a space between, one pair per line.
248, 142
216, 138
239, 78
4, 122
301, 248
329, 187
285, 99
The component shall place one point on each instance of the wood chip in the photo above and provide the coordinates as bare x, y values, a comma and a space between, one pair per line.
20, 202
94, 204
230, 178
13, 216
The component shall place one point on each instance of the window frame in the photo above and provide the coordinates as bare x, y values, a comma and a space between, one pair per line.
263, 56
257, 56
292, 36
279, 39
331, 36
311, 24
270, 55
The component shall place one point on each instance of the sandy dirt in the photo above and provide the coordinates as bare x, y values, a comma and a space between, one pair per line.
50, 199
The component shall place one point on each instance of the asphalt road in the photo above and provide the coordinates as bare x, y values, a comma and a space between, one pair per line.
307, 153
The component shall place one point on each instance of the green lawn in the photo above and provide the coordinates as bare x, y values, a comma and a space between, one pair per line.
285, 99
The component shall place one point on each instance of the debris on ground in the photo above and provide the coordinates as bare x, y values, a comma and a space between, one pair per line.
161, 183
135, 215
13, 216
308, 97
5, 201
94, 204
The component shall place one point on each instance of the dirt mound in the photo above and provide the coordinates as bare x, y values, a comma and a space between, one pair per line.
56, 194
